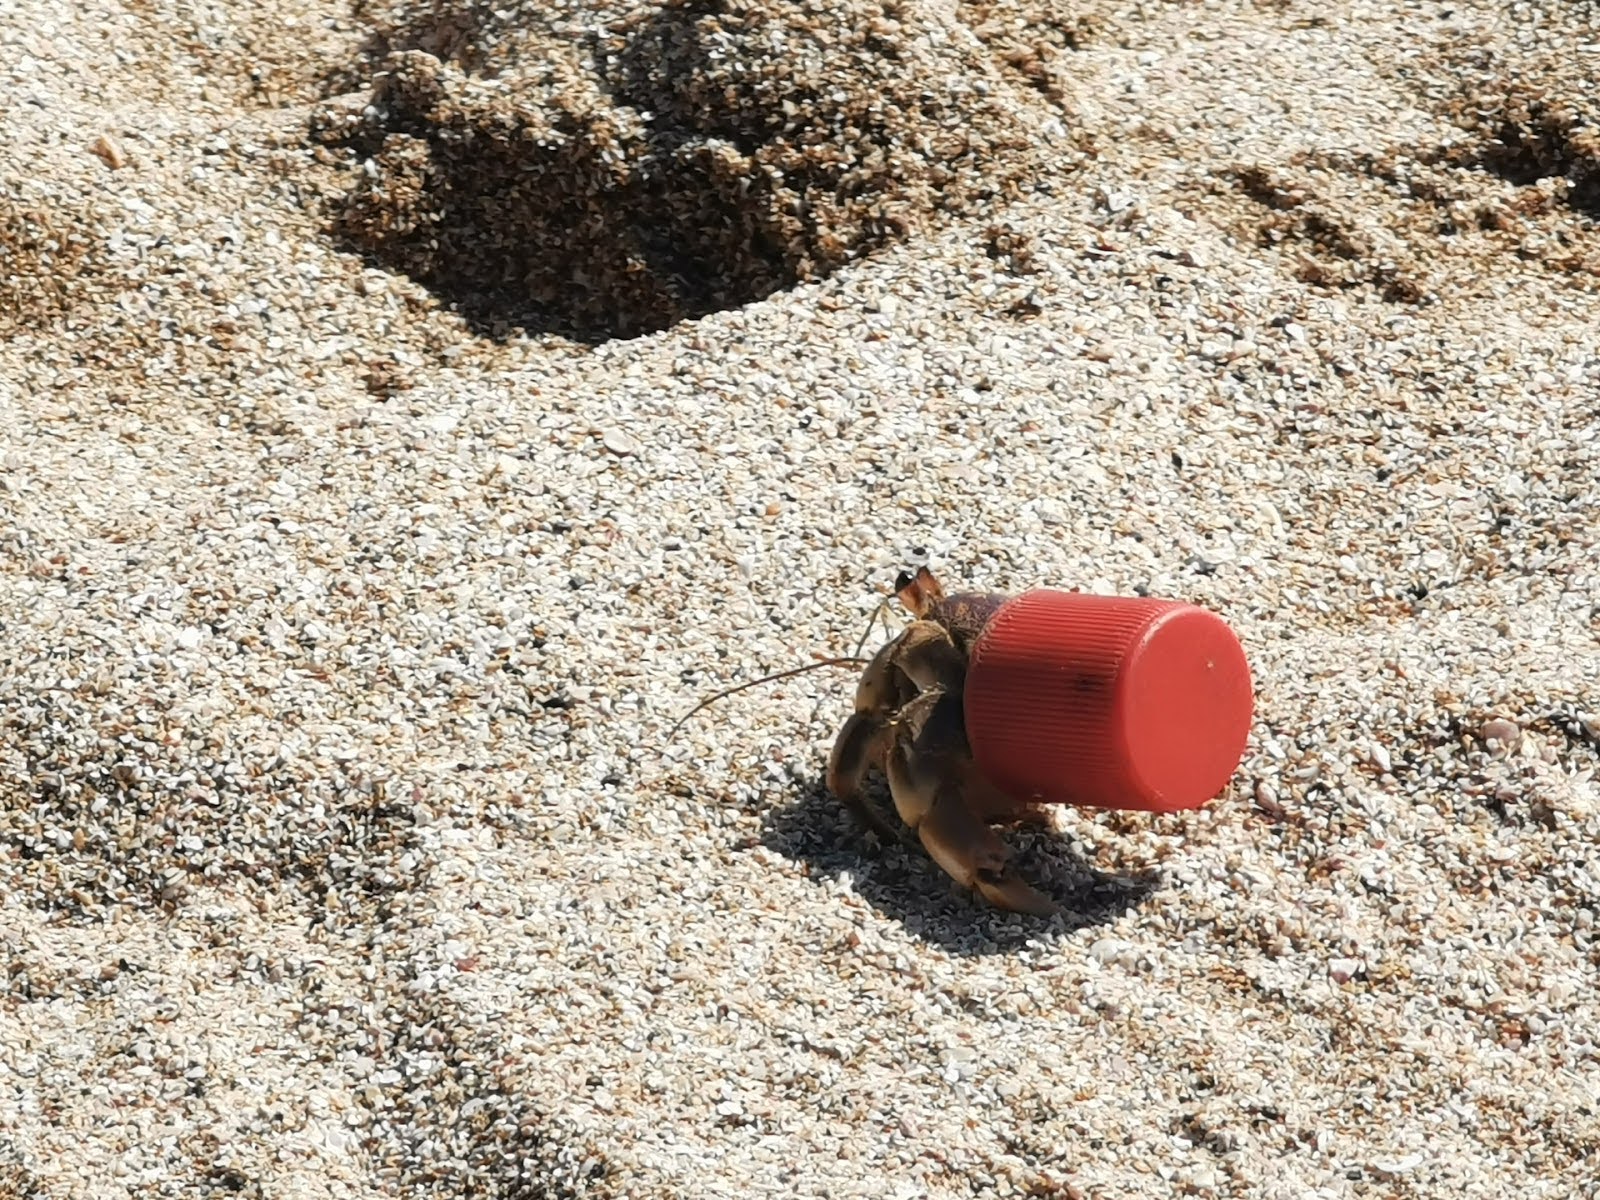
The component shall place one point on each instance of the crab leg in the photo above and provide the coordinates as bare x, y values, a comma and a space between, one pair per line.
861, 743
923, 656
866, 736
931, 777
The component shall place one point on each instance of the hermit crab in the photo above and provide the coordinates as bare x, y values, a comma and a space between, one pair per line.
987, 708
909, 720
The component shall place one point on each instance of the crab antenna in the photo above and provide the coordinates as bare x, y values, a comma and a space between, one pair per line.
851, 661
878, 611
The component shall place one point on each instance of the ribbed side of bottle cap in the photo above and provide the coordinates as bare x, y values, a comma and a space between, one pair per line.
1108, 702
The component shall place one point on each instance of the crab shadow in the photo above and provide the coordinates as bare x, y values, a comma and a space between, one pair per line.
905, 885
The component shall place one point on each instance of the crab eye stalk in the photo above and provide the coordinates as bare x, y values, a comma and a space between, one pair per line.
909, 590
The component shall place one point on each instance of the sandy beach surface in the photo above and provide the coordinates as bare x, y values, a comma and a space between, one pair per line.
409, 410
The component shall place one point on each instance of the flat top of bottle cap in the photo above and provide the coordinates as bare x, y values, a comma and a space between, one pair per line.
1114, 702
1184, 705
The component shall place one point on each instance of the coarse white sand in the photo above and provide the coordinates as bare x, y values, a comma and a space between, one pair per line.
408, 412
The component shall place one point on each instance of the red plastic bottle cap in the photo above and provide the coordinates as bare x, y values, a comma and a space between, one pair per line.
1108, 702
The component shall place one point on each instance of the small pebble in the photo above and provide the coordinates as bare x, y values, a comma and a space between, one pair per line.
1507, 733
109, 151
1342, 970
